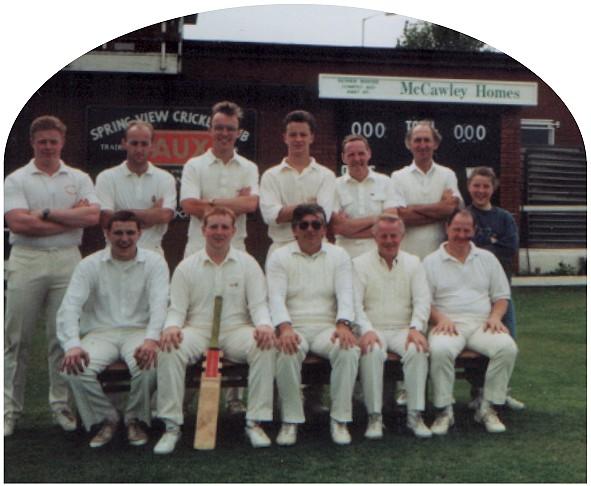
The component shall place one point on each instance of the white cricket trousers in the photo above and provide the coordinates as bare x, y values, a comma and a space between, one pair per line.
415, 366
37, 283
238, 345
500, 348
344, 363
104, 347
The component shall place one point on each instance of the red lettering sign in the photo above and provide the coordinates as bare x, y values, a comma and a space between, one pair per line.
175, 147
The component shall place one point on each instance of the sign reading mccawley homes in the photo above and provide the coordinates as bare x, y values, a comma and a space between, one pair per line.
432, 90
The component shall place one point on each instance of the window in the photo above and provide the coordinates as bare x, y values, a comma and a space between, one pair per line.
538, 132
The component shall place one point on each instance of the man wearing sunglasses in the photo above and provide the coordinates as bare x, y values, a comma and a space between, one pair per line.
310, 298
114, 308
138, 186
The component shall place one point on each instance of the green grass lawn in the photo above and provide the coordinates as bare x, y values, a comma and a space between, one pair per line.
545, 443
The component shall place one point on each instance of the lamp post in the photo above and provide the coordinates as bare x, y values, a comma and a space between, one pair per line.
365, 19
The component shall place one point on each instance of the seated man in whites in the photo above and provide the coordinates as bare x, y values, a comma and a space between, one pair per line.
392, 302
469, 293
114, 309
311, 302
246, 334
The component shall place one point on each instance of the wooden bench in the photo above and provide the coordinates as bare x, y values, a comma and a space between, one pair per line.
470, 366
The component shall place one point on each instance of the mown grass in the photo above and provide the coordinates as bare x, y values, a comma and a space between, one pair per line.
545, 443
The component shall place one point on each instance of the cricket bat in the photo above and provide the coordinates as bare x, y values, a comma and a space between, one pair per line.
209, 390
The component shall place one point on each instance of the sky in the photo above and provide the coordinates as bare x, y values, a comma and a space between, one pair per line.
39, 38
324, 25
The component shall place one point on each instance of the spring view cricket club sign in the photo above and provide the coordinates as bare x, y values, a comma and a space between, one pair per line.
180, 133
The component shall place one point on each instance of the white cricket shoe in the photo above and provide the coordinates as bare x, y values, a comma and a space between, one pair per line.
514, 404
66, 420
287, 434
375, 427
339, 432
414, 421
443, 421
256, 435
104, 435
487, 416
167, 442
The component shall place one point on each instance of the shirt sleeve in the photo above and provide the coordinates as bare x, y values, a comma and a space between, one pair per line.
277, 287
397, 193
158, 291
169, 192
14, 196
190, 187
326, 194
393, 198
179, 299
451, 182
70, 310
270, 201
105, 191
499, 286
359, 286
253, 179
86, 189
256, 293
421, 299
344, 286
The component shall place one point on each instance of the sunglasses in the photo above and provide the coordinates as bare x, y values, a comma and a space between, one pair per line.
303, 225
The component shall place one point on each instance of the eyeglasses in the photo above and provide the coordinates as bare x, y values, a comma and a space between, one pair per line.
221, 128
126, 232
303, 225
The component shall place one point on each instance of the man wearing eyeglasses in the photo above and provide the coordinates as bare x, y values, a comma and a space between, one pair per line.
137, 185
220, 177
310, 298
114, 308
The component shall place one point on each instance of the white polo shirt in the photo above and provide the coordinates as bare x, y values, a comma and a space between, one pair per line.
391, 299
310, 289
198, 280
413, 186
207, 177
32, 189
282, 185
119, 188
105, 293
370, 197
466, 290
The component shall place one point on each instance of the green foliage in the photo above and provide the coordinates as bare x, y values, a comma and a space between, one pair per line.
424, 35
564, 269
545, 443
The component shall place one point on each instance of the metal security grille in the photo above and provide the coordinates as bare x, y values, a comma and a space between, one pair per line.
555, 211
555, 176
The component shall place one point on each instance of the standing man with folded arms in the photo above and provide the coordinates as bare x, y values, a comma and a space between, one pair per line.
220, 177
298, 179
311, 301
114, 309
246, 334
46, 205
139, 186
361, 196
428, 191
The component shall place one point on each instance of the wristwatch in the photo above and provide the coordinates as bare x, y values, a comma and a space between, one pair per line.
346, 322
45, 214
